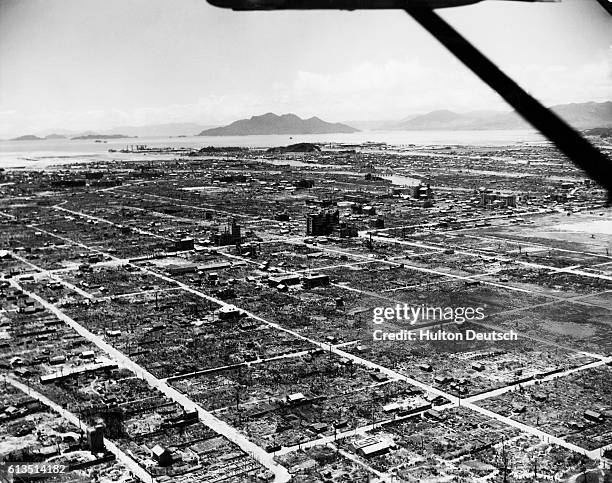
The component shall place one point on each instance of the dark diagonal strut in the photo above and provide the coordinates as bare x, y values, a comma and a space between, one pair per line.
570, 142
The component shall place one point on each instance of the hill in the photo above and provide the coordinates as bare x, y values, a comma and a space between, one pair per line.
101, 136
602, 132
27, 137
273, 124
296, 148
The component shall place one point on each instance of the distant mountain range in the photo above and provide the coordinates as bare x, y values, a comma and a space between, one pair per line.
27, 137
273, 124
31, 137
151, 130
86, 136
581, 116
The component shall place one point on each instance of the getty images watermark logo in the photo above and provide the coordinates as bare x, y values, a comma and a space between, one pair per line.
421, 314
412, 314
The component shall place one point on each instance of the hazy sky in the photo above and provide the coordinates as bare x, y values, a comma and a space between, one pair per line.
95, 64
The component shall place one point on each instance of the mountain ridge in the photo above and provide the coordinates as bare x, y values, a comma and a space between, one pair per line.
584, 115
270, 123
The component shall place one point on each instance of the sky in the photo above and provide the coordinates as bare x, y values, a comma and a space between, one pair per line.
98, 64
